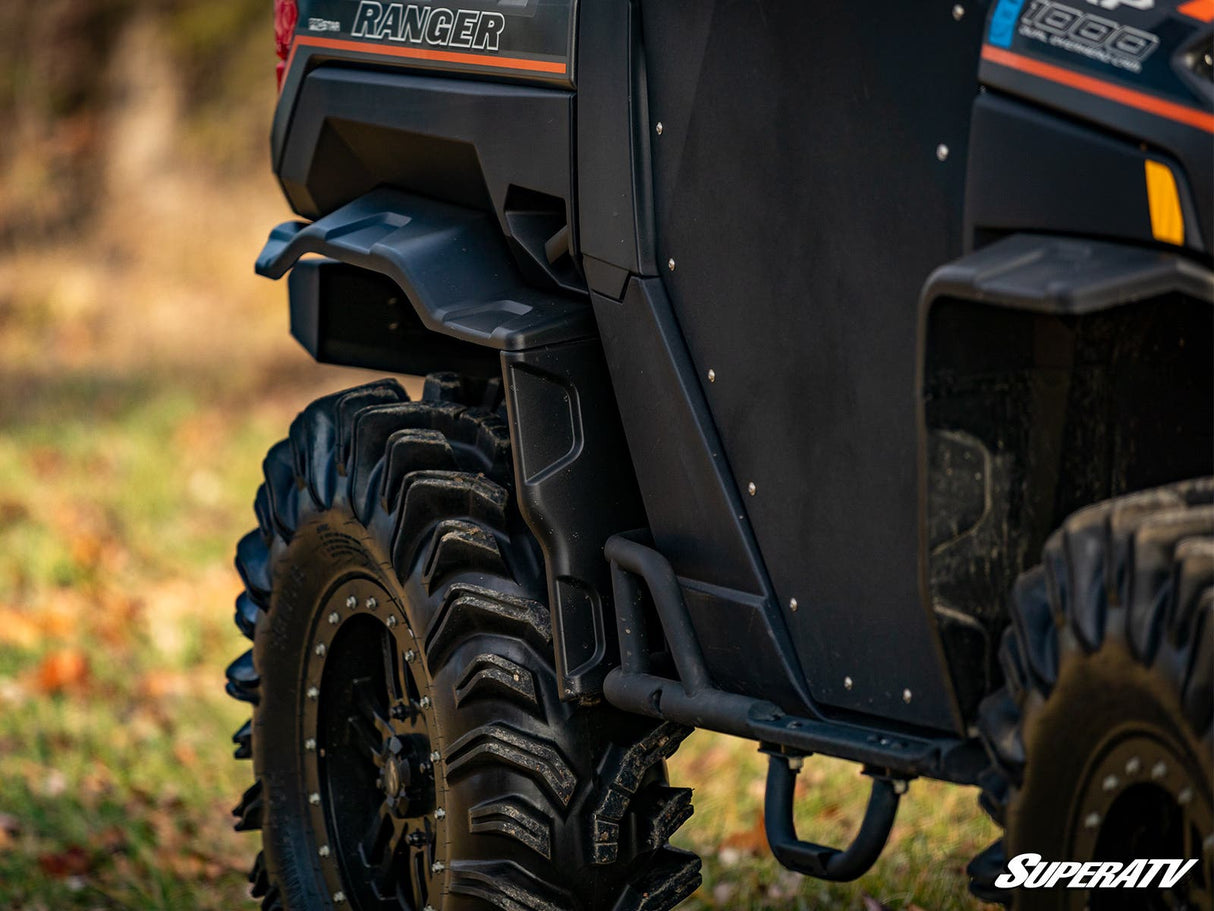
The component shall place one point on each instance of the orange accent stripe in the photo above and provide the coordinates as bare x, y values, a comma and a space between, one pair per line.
1179, 113
1201, 10
421, 53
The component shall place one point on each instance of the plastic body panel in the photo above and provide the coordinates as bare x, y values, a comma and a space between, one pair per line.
575, 489
530, 41
798, 287
1127, 70
1036, 170
356, 130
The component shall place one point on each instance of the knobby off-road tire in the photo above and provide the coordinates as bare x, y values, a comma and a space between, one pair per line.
1102, 737
410, 749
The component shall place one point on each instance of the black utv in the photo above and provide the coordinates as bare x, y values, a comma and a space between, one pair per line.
833, 375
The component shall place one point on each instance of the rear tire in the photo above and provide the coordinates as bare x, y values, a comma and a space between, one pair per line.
1102, 737
409, 745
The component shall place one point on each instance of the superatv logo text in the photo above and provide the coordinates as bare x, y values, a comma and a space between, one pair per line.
1029, 871
428, 25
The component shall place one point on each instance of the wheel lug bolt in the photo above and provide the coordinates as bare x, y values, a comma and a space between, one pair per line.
440, 813
320, 649
1159, 770
437, 867
1185, 796
424, 702
372, 604
334, 618
351, 602
310, 743
391, 622
313, 692
314, 799
1133, 766
1110, 783
1091, 821
410, 656
436, 756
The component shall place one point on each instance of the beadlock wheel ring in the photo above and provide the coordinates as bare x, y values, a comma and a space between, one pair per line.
370, 761
1142, 797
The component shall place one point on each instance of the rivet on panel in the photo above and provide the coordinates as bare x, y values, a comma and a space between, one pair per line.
751, 489
942, 152
847, 683
792, 605
670, 264
658, 128
712, 375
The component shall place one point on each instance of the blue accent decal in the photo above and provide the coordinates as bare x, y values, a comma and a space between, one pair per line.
1003, 22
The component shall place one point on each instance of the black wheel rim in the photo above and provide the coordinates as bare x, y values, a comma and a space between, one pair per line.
369, 756
1143, 797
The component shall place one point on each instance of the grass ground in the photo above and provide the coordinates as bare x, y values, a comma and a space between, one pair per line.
143, 374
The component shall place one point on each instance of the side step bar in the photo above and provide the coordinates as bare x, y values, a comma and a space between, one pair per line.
890, 759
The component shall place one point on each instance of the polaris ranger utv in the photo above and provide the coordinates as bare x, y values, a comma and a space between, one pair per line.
833, 376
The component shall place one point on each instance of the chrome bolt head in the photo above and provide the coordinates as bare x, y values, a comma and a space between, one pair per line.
391, 621
440, 813
958, 12
339, 897
941, 152
372, 603
907, 696
320, 649
1185, 797
410, 656
1159, 770
314, 799
712, 375
310, 744
323, 851
792, 605
1133, 766
751, 489
313, 693
437, 867
658, 128
670, 264
351, 602
1091, 821
1110, 782
335, 618
847, 683
436, 756
424, 702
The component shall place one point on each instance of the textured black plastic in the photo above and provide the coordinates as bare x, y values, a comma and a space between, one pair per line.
459, 141
451, 264
575, 489
1066, 275
1031, 170
345, 315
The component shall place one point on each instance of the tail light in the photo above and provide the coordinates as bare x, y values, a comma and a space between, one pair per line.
286, 15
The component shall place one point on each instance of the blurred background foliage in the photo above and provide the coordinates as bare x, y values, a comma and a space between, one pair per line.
144, 371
